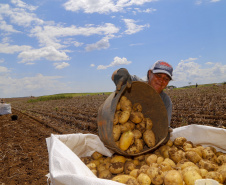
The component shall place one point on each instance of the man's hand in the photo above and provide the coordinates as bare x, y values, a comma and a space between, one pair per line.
122, 77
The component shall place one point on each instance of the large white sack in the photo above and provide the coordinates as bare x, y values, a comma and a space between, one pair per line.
5, 108
65, 166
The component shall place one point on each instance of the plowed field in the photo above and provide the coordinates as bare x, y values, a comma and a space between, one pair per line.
23, 151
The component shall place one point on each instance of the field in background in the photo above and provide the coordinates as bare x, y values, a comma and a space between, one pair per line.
24, 156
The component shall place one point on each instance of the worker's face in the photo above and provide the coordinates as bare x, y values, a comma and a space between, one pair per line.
158, 81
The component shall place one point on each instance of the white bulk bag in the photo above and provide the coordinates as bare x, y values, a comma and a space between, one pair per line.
64, 151
5, 108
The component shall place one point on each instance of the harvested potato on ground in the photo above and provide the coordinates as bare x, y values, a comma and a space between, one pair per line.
207, 153
179, 141
173, 177
156, 175
116, 132
187, 145
143, 169
198, 150
215, 176
137, 107
101, 167
126, 140
185, 164
123, 116
190, 176
132, 182
136, 117
149, 138
122, 178
159, 160
144, 179
125, 104
192, 156
105, 174
128, 167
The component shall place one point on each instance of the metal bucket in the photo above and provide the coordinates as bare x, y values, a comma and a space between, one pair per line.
152, 107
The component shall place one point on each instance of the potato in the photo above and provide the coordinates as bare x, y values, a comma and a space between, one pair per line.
191, 168
156, 175
116, 117
128, 167
169, 143
207, 153
149, 138
151, 159
170, 162
137, 107
118, 106
122, 178
192, 156
159, 160
191, 176
176, 155
208, 165
143, 169
94, 171
134, 173
164, 151
198, 150
86, 160
127, 126
126, 140
91, 166
165, 166
118, 158
179, 141
173, 177
139, 143
215, 176
132, 182
149, 123
125, 104
116, 132
137, 134
144, 179
116, 168
141, 127
105, 174
101, 167
203, 172
185, 164
132, 149
221, 159
187, 145
123, 116
136, 117
222, 171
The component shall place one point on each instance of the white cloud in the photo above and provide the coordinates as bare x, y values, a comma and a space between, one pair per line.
132, 27
21, 4
4, 69
49, 35
190, 71
117, 61
102, 6
209, 63
36, 86
48, 53
10, 49
101, 44
199, 2
19, 16
7, 28
61, 65
92, 65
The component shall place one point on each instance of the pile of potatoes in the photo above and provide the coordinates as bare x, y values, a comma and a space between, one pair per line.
131, 130
178, 162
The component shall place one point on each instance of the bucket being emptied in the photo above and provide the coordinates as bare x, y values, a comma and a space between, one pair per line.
152, 107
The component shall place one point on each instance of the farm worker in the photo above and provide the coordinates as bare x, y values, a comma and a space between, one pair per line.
158, 77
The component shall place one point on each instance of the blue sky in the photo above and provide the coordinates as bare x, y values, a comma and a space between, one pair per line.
72, 46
